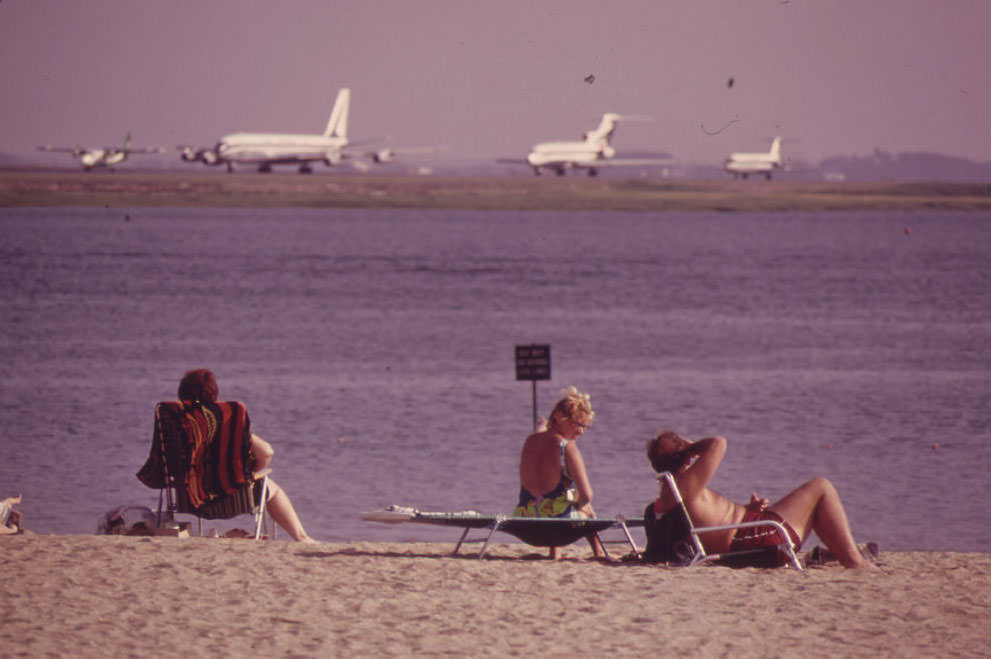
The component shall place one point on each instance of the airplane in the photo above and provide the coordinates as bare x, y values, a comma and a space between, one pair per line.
107, 157
745, 164
267, 149
591, 153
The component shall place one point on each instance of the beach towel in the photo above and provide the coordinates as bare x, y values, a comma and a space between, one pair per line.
206, 445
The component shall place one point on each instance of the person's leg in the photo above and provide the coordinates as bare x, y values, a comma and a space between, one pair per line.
816, 506
593, 540
281, 509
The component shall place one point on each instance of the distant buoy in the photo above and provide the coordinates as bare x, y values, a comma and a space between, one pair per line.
935, 445
908, 231
829, 446
340, 440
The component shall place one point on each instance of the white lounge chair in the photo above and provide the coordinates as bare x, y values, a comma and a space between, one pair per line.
674, 538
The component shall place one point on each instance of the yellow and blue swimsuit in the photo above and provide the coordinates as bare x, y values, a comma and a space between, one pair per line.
559, 502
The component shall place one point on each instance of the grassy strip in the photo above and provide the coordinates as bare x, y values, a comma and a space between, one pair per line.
212, 189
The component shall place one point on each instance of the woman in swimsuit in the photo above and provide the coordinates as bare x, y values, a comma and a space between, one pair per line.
553, 480
814, 506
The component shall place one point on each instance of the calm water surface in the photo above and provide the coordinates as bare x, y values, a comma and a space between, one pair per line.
374, 349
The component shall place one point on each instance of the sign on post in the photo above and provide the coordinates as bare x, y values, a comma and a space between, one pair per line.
533, 362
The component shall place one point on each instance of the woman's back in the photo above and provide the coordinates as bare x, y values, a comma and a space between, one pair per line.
540, 462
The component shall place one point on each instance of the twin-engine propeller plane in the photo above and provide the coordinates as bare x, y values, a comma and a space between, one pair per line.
745, 164
109, 157
264, 150
593, 152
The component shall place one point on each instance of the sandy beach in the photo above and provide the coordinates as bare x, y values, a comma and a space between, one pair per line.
141, 596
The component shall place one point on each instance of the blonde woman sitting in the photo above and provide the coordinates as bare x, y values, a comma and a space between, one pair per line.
553, 480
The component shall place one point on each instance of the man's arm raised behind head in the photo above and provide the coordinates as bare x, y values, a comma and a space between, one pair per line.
695, 478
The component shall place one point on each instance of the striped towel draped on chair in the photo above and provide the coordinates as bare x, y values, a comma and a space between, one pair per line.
205, 448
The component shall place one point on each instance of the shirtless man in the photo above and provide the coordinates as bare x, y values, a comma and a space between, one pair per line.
814, 506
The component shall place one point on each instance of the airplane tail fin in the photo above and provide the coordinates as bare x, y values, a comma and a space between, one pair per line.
604, 130
337, 125
607, 126
776, 149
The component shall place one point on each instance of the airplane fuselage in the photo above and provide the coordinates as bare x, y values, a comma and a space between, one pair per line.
553, 154
101, 158
744, 164
279, 148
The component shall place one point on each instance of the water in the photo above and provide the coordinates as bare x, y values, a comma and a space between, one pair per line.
374, 349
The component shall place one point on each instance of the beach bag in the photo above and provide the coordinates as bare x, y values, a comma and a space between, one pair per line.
125, 520
668, 536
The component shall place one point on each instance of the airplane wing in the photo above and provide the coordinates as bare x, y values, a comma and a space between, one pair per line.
61, 149
147, 149
595, 164
388, 154
627, 162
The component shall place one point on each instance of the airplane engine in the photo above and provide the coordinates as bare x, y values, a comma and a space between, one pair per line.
383, 155
209, 156
189, 154
332, 158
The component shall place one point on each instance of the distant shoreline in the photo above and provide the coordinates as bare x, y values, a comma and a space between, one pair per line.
133, 188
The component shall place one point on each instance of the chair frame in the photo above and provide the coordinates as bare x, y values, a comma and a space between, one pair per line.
505, 523
522, 528
700, 555
259, 512
175, 501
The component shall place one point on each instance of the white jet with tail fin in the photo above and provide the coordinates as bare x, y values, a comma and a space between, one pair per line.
592, 152
745, 164
263, 150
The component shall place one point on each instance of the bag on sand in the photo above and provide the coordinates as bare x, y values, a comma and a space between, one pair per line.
125, 520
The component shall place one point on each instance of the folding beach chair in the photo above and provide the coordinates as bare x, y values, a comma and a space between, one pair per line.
172, 468
674, 538
537, 531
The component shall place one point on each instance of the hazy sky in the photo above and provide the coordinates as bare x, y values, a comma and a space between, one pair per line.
489, 79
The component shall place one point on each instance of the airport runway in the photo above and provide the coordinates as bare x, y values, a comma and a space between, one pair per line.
570, 193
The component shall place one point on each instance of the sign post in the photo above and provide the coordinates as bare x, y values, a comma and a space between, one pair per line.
533, 362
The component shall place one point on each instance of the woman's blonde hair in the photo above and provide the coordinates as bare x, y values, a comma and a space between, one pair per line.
573, 406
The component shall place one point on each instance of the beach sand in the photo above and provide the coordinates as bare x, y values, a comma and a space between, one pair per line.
159, 596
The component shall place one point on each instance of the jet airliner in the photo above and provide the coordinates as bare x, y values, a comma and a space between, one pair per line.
745, 164
266, 149
109, 157
592, 152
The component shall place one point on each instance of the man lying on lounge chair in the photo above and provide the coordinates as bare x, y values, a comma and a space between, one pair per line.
814, 506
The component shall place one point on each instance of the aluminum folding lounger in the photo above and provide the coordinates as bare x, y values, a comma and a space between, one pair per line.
696, 552
537, 531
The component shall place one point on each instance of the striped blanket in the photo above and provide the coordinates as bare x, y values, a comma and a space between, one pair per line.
203, 447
